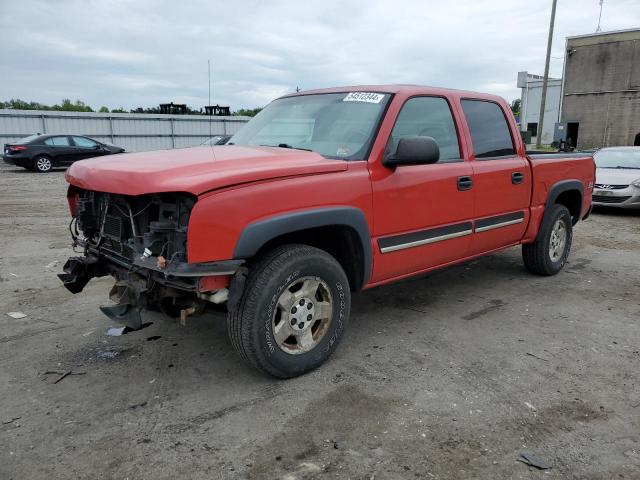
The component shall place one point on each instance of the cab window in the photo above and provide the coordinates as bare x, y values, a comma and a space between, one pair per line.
489, 129
431, 117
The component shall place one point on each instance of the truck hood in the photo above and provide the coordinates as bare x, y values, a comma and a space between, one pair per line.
195, 170
616, 176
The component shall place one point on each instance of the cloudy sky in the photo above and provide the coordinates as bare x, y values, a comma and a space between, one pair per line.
122, 53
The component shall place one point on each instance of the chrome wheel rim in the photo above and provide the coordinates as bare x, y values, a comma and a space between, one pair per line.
43, 164
558, 240
302, 315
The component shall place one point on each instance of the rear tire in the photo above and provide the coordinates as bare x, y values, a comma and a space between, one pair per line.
293, 311
42, 164
549, 252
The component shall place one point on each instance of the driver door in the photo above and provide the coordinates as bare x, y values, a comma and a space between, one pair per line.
423, 213
84, 147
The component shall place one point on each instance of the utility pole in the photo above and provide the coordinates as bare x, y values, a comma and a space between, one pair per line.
209, 104
598, 29
546, 77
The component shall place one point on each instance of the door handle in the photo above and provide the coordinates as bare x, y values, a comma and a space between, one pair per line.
517, 177
465, 183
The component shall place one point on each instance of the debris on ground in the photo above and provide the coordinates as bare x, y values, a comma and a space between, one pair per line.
107, 354
153, 337
117, 331
7, 422
86, 334
530, 406
138, 405
533, 461
538, 357
63, 374
17, 315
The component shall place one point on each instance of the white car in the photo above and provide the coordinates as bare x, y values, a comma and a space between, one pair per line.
617, 177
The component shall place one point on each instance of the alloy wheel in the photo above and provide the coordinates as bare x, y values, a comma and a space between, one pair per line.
303, 315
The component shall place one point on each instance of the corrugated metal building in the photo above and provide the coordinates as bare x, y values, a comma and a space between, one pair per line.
133, 131
601, 92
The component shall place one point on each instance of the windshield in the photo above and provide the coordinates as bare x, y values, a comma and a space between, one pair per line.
627, 158
335, 125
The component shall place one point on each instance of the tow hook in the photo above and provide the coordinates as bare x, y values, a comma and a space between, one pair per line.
78, 271
129, 302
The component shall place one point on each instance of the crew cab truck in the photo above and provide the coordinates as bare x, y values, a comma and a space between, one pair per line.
323, 193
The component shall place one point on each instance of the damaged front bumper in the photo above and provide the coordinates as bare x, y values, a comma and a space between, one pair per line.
178, 289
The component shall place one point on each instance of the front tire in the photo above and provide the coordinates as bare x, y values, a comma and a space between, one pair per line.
42, 164
293, 311
549, 252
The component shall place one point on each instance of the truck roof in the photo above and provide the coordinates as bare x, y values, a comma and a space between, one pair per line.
405, 89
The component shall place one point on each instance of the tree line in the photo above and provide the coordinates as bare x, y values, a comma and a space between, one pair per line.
79, 106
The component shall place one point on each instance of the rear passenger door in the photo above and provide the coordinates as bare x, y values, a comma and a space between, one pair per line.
501, 178
59, 148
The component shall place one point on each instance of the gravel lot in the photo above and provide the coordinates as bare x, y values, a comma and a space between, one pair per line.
449, 375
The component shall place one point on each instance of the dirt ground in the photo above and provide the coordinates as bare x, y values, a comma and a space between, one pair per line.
447, 376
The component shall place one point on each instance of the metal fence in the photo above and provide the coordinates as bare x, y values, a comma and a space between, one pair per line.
133, 131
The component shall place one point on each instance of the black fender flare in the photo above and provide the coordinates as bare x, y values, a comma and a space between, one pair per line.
561, 187
257, 234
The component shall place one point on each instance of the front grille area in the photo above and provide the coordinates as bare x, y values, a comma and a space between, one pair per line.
127, 226
113, 227
606, 186
608, 199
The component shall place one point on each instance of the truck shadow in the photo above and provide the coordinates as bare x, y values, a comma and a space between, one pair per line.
202, 352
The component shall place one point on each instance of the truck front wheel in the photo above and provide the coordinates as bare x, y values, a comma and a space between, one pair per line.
293, 311
548, 253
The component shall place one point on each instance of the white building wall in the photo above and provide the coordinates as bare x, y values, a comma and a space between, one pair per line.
530, 106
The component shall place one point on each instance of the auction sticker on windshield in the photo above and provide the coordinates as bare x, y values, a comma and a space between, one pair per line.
363, 97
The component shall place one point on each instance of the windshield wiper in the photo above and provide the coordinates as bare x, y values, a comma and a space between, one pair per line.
620, 166
286, 145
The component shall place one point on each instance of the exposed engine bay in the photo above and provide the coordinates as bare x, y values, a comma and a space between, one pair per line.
142, 242
129, 227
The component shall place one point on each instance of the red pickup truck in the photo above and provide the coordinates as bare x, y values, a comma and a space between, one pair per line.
323, 193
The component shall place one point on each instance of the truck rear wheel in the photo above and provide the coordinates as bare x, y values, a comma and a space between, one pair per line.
548, 253
293, 311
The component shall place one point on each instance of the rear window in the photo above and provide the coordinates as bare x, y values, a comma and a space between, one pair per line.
489, 129
28, 139
57, 141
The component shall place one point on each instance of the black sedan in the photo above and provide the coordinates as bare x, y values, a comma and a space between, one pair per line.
43, 152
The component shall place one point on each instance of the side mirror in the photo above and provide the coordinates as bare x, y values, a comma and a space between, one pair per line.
417, 150
98, 147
